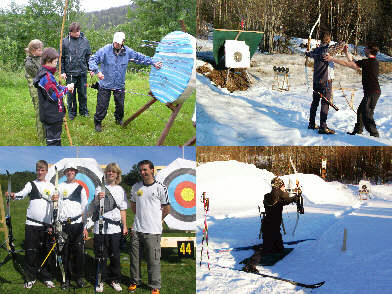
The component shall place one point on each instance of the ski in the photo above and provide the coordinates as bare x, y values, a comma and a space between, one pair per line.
257, 246
295, 283
312, 286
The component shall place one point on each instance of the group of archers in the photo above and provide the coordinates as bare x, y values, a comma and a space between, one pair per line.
109, 63
322, 86
148, 201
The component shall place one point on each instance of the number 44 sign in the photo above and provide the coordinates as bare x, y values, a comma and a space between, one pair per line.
186, 249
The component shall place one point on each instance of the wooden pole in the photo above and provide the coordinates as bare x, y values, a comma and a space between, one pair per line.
169, 124
61, 53
3, 226
344, 247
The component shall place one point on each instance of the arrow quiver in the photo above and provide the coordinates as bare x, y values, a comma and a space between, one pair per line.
206, 204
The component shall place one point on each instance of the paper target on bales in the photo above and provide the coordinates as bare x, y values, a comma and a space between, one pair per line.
180, 179
176, 80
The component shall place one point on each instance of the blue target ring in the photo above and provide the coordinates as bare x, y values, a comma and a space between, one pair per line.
171, 189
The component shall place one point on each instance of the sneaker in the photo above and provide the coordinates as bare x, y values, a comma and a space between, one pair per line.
132, 287
116, 286
326, 130
30, 284
375, 135
313, 127
99, 288
80, 283
49, 284
155, 291
98, 127
65, 285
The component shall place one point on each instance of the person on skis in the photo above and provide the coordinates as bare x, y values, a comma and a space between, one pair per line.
272, 238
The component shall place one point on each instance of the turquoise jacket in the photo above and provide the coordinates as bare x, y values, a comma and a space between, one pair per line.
114, 66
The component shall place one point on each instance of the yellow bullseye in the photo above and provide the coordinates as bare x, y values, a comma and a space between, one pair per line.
188, 194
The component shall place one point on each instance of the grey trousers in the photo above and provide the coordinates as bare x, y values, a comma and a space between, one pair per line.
152, 246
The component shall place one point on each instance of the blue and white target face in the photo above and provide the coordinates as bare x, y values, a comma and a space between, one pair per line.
86, 178
181, 186
175, 80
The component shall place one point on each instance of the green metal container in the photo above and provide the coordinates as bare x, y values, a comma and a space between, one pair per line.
251, 38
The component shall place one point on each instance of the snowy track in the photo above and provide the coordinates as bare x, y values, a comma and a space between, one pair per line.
329, 209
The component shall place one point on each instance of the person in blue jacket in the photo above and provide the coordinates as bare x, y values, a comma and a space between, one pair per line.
113, 60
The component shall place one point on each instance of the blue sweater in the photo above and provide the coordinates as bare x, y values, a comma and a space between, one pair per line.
114, 66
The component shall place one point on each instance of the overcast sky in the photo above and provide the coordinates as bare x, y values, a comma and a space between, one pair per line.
85, 5
24, 158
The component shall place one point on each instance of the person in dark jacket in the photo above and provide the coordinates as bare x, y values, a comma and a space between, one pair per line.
371, 87
32, 65
50, 97
322, 85
74, 66
272, 238
110, 64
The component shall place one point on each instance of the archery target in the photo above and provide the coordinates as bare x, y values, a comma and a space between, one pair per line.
180, 180
176, 80
89, 174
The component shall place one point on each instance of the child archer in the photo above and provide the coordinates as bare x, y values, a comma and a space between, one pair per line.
50, 97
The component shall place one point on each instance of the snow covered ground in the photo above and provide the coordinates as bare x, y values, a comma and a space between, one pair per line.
235, 189
261, 116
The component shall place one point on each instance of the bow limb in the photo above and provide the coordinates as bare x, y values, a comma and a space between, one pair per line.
306, 58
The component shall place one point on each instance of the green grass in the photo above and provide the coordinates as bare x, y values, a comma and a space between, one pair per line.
17, 117
178, 274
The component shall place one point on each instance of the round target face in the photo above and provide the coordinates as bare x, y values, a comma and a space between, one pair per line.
181, 188
85, 177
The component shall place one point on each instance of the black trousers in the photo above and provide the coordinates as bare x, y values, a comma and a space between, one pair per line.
111, 250
103, 99
73, 251
326, 90
53, 133
365, 114
37, 246
272, 238
81, 88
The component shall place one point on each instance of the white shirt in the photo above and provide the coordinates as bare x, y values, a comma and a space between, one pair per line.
68, 208
149, 200
121, 200
39, 209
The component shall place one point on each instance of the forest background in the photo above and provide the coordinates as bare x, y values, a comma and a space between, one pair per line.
41, 19
347, 164
354, 21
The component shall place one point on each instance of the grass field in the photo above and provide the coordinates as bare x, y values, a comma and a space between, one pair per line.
178, 274
17, 117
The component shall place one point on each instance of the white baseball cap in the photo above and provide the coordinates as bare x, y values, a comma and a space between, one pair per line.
118, 37
70, 165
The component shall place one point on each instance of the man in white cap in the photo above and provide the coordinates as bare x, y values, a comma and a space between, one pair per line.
113, 60
72, 214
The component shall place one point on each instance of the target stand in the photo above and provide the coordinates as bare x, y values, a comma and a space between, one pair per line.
364, 190
175, 81
281, 79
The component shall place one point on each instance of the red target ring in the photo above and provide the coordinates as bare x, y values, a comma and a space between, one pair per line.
185, 194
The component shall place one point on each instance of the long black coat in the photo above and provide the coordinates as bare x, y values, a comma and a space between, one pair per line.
273, 204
